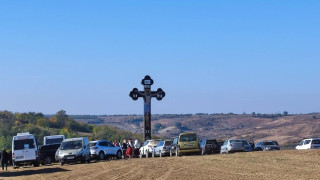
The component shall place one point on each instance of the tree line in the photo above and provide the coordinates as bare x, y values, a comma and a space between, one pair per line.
40, 125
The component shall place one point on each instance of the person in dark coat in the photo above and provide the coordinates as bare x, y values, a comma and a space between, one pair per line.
10, 158
4, 159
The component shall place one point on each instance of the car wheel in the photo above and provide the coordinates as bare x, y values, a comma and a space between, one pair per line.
119, 154
83, 159
88, 160
61, 163
102, 156
47, 160
36, 164
15, 166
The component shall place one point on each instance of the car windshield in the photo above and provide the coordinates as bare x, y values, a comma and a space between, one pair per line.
154, 142
160, 143
71, 145
268, 143
316, 141
54, 141
23, 144
188, 137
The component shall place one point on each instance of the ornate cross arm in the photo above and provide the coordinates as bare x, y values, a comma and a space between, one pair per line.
159, 94
135, 94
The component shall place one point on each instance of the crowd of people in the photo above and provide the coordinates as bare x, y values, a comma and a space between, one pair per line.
130, 148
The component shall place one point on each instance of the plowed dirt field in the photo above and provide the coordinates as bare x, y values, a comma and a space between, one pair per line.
252, 165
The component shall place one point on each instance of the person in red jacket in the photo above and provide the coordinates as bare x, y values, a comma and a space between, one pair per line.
129, 151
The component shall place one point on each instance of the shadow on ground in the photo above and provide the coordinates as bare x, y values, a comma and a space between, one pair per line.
32, 172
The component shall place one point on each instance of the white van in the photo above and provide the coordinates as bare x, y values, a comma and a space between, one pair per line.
73, 150
56, 139
24, 150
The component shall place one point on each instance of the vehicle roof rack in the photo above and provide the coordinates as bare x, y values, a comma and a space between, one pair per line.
23, 134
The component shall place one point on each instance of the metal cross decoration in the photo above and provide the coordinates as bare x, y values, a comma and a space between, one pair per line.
147, 94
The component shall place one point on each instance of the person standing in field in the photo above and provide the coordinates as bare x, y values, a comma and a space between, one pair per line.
4, 159
130, 143
10, 158
129, 152
118, 143
124, 147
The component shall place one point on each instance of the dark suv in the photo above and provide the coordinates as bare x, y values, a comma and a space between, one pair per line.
47, 153
209, 146
266, 146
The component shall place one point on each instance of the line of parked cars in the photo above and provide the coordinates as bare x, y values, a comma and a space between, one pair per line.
56, 148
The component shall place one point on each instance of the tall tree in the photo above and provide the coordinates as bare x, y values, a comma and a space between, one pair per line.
60, 118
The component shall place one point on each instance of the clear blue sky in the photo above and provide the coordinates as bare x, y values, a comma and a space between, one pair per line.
209, 56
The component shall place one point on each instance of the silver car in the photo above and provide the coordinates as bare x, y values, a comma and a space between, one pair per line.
232, 145
266, 146
163, 148
73, 150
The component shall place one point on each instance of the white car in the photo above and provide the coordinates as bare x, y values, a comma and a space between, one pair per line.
232, 145
163, 148
148, 146
312, 143
102, 149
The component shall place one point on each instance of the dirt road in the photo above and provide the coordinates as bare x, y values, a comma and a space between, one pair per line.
253, 165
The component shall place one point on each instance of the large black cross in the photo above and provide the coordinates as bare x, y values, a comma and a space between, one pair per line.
147, 94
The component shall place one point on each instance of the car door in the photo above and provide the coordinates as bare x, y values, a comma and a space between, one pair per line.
174, 144
142, 149
159, 147
300, 145
306, 144
167, 144
103, 146
111, 149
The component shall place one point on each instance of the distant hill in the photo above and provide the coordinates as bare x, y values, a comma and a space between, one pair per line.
289, 129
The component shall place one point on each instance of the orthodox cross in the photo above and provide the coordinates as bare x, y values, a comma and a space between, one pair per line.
147, 94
